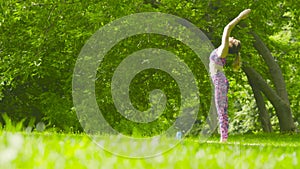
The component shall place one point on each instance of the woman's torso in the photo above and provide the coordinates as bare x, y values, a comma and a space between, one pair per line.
216, 63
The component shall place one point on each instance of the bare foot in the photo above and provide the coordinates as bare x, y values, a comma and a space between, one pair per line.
223, 140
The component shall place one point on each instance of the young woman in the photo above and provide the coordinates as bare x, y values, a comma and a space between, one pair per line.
217, 61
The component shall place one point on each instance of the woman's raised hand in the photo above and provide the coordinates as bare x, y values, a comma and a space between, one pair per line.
244, 14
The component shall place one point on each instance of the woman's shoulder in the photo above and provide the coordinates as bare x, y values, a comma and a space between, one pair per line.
217, 59
214, 54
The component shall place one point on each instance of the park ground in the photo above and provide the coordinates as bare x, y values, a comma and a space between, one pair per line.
58, 150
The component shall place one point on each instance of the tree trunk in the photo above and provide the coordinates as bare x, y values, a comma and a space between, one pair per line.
274, 68
263, 113
282, 109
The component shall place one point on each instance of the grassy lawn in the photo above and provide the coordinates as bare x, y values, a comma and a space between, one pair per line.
52, 150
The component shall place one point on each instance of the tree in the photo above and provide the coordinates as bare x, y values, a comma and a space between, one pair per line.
39, 44
279, 99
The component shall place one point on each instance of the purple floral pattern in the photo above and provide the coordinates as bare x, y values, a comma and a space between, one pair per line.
221, 89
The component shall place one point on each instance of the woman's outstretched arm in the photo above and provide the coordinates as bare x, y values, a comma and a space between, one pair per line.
223, 48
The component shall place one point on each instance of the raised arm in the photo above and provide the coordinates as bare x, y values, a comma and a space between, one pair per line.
223, 48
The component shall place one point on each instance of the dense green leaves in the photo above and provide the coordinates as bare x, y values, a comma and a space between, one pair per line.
40, 42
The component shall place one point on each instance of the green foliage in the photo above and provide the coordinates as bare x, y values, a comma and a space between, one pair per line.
145, 82
288, 54
12, 126
40, 42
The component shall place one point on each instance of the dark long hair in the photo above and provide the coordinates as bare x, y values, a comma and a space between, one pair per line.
235, 48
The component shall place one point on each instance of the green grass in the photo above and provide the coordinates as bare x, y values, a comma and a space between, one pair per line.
53, 150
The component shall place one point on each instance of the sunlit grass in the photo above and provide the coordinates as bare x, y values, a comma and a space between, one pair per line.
53, 150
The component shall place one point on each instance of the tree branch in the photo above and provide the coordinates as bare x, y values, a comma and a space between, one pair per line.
274, 68
263, 86
263, 113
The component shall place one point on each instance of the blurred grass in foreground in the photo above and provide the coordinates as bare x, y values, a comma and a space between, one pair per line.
54, 150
